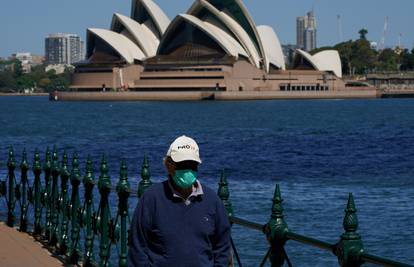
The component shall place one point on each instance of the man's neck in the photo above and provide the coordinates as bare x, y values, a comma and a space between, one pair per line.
184, 193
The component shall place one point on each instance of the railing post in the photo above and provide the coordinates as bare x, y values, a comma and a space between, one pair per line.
3, 188
89, 183
123, 189
37, 170
46, 196
11, 201
63, 206
276, 231
74, 211
145, 177
224, 194
54, 198
104, 185
24, 167
350, 247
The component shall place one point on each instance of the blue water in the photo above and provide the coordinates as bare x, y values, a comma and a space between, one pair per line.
318, 151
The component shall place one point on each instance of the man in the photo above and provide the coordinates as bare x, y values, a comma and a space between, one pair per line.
180, 223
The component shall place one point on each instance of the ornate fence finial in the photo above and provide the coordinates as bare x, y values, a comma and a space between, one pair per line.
277, 229
37, 170
47, 193
75, 179
24, 167
55, 198
350, 247
224, 193
24, 164
89, 183
123, 189
104, 185
63, 206
11, 201
145, 177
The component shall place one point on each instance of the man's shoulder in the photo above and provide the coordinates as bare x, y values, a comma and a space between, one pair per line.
209, 193
154, 190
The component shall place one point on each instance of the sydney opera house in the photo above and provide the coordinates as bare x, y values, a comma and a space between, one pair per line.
214, 50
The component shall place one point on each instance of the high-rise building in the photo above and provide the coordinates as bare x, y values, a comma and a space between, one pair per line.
301, 24
62, 48
306, 32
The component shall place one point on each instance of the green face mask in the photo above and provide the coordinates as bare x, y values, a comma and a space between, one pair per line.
184, 178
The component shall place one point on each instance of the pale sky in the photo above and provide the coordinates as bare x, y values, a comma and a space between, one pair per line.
25, 23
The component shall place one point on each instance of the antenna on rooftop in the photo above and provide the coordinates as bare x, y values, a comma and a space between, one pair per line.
384, 34
399, 40
340, 32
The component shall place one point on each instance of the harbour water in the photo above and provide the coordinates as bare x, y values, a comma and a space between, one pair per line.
318, 151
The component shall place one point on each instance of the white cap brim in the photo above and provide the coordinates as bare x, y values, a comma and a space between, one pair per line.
179, 157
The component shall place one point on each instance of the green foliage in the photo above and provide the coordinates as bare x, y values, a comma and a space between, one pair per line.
388, 60
7, 81
18, 70
12, 78
359, 58
24, 82
363, 34
407, 60
363, 56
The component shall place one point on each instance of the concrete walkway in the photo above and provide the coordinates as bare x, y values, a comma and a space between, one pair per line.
20, 249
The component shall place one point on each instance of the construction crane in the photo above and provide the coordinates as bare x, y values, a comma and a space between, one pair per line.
340, 32
384, 34
399, 40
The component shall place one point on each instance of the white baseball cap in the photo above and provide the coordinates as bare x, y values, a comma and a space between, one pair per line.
184, 148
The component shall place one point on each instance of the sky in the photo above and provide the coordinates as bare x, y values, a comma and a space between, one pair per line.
25, 23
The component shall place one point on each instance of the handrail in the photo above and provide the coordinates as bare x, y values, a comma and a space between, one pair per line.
349, 249
381, 261
246, 223
311, 241
63, 217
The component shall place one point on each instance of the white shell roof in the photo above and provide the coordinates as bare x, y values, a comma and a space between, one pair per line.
235, 27
223, 39
252, 25
328, 60
227, 42
272, 48
144, 37
127, 49
226, 38
157, 15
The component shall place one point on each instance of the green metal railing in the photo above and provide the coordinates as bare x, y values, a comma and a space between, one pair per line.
349, 249
67, 221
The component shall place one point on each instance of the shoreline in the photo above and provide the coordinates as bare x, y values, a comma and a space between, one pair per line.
20, 94
216, 96
213, 95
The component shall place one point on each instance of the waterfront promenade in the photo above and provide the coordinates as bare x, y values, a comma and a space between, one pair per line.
20, 249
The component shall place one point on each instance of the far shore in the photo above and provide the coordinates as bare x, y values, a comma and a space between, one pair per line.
22, 94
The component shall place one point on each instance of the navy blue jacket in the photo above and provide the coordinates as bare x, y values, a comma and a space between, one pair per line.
167, 233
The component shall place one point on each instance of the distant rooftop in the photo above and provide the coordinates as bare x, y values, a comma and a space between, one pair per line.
60, 35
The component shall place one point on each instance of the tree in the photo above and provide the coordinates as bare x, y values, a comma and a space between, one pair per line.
345, 52
363, 56
43, 83
18, 69
407, 60
388, 60
363, 34
24, 82
7, 81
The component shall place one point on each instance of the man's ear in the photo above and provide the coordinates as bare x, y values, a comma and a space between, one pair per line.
169, 165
